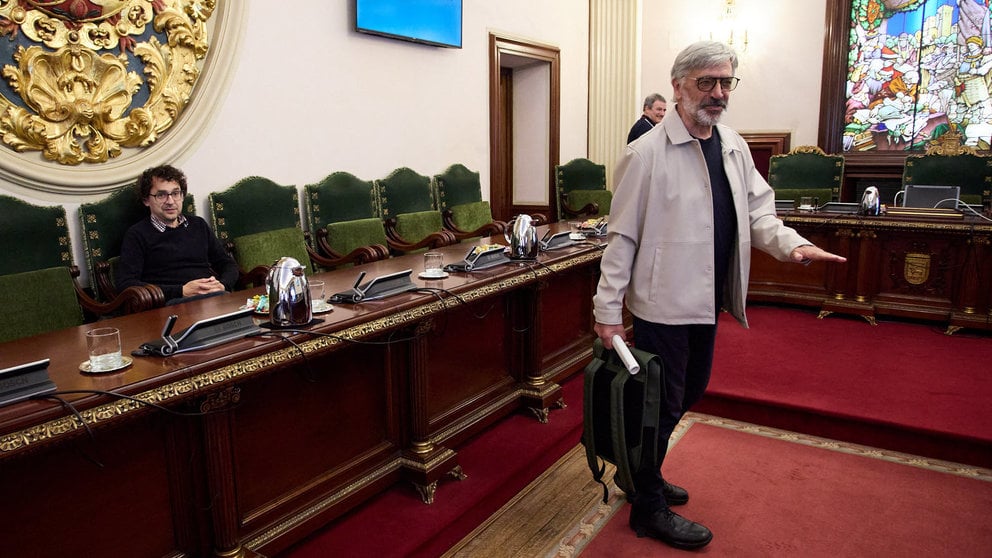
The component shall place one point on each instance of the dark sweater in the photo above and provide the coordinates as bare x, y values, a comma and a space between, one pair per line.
174, 257
641, 127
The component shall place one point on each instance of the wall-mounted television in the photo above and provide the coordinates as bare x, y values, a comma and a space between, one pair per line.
431, 22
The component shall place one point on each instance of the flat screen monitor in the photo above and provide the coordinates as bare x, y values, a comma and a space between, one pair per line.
931, 196
431, 22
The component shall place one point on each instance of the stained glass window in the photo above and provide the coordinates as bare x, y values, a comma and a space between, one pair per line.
915, 70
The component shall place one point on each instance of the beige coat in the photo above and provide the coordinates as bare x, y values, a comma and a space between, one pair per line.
660, 252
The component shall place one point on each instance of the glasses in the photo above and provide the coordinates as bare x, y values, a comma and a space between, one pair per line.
162, 196
707, 83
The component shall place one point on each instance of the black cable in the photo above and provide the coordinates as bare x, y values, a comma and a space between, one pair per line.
308, 372
89, 431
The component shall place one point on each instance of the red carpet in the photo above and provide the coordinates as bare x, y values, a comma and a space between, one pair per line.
499, 463
903, 386
897, 385
768, 497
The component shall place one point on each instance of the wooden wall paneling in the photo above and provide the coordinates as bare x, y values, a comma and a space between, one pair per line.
764, 145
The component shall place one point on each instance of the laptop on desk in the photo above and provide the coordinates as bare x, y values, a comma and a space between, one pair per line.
931, 196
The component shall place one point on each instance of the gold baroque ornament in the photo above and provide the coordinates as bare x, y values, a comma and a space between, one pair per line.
78, 102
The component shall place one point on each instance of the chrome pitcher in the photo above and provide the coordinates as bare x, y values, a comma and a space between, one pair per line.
522, 235
871, 202
289, 294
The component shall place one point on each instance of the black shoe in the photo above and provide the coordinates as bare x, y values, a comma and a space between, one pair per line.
671, 529
675, 495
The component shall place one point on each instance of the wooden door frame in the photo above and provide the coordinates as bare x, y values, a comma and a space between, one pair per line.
500, 160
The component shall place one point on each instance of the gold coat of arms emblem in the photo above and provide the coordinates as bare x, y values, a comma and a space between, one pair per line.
916, 269
83, 79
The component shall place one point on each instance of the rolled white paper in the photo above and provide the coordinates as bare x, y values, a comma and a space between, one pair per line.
625, 356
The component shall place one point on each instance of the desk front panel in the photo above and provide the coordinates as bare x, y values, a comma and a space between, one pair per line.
285, 434
932, 269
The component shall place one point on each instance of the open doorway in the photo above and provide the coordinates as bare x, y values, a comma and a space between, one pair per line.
524, 123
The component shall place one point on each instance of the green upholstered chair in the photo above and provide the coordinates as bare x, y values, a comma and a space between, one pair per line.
343, 216
806, 171
947, 162
104, 224
459, 197
38, 278
581, 187
409, 213
259, 221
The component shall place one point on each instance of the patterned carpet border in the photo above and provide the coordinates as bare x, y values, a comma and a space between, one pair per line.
576, 538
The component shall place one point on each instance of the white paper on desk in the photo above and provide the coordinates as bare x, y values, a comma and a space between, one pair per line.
625, 355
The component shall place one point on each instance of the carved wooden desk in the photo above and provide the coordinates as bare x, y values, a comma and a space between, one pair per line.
926, 268
257, 443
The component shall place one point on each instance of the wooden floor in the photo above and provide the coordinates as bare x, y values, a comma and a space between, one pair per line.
532, 523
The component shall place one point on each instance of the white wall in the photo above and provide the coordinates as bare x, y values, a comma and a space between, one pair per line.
311, 96
780, 70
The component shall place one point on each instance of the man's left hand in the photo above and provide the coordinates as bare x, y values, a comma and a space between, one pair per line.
809, 253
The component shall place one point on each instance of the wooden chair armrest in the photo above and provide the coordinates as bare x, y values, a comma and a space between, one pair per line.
590, 208
327, 257
332, 259
133, 299
401, 245
255, 277
104, 280
539, 219
494, 228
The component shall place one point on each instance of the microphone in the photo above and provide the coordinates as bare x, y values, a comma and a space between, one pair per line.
170, 344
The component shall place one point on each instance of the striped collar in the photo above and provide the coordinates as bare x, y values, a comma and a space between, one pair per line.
160, 225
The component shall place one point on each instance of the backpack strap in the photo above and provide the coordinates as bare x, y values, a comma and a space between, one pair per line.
623, 477
597, 466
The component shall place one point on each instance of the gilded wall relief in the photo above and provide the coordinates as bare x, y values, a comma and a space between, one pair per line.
93, 83
98, 75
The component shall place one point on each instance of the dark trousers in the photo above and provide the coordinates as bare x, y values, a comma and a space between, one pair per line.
687, 354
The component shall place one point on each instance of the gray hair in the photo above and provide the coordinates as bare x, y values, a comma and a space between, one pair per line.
651, 99
703, 54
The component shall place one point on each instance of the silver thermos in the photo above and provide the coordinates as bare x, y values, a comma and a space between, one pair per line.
289, 294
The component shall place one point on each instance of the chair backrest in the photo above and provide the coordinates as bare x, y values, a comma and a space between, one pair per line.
579, 182
340, 197
261, 221
457, 185
949, 163
459, 190
404, 191
253, 205
38, 288
806, 171
32, 237
105, 222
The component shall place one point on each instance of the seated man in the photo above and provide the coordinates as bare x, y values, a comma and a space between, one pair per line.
178, 253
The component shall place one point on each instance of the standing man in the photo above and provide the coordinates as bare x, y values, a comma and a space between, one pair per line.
654, 110
688, 207
178, 253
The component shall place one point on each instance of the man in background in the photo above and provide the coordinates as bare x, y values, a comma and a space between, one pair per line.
688, 207
654, 110
176, 252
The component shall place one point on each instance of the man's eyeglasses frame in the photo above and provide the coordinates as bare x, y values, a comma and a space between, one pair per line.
160, 197
707, 83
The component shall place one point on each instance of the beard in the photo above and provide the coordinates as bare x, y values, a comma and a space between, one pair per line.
704, 117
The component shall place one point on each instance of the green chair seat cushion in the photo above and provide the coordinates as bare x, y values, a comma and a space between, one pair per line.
471, 216
38, 301
346, 236
795, 193
265, 248
602, 198
414, 227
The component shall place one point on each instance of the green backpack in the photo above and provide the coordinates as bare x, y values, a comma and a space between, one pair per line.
620, 419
